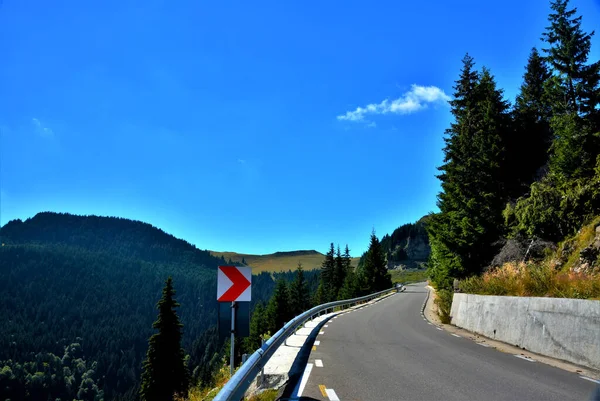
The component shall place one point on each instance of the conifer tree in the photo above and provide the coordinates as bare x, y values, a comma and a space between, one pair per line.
299, 296
165, 373
340, 273
278, 310
376, 276
258, 327
567, 53
528, 148
328, 274
474, 177
575, 94
347, 258
351, 287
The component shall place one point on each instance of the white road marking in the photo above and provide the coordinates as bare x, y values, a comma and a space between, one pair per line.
439, 329
332, 395
429, 323
318, 363
326, 325
321, 332
483, 345
525, 358
456, 335
317, 342
590, 379
304, 380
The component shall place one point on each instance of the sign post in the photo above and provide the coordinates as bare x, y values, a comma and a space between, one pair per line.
231, 357
234, 285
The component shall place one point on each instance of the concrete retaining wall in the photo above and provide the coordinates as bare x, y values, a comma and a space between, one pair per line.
567, 329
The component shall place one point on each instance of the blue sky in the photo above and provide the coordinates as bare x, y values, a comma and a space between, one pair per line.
244, 126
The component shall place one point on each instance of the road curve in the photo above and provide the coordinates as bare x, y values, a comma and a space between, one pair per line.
387, 351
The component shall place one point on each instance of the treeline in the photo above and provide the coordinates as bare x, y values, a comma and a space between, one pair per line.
336, 280
94, 281
527, 170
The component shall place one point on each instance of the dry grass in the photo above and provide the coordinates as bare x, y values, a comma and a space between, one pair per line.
222, 376
278, 262
533, 280
267, 395
208, 393
576, 244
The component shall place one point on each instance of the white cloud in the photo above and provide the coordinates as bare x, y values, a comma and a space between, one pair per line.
416, 99
41, 129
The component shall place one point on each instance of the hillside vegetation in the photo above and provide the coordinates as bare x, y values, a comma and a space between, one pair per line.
278, 261
520, 180
86, 287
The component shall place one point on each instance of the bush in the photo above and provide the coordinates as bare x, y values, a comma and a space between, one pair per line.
444, 304
556, 207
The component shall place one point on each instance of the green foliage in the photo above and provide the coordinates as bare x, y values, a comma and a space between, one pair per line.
557, 208
395, 246
333, 274
443, 301
299, 293
48, 376
375, 276
351, 287
575, 147
278, 310
567, 52
328, 277
531, 120
473, 178
165, 373
66, 277
409, 276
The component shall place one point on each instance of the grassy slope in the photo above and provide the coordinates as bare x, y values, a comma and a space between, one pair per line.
279, 261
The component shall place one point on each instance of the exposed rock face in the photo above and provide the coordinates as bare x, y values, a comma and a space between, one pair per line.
519, 249
589, 261
408, 246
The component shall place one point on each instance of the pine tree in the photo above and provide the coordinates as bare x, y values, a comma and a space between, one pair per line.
244, 261
340, 273
575, 94
165, 373
568, 52
376, 276
299, 296
474, 177
347, 258
319, 297
257, 329
328, 274
278, 310
351, 287
528, 148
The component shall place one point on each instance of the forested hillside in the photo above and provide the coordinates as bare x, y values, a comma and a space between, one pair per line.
522, 172
87, 286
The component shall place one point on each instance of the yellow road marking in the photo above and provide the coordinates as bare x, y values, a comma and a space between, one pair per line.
314, 347
322, 388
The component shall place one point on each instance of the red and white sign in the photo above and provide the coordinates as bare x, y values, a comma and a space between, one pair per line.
233, 284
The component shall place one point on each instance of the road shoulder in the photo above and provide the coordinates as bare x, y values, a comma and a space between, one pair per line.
430, 313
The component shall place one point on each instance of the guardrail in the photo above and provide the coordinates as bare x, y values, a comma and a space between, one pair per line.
235, 388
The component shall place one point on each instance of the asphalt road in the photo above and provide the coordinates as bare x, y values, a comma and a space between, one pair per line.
387, 351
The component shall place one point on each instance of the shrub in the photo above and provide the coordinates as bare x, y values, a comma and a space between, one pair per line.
444, 304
